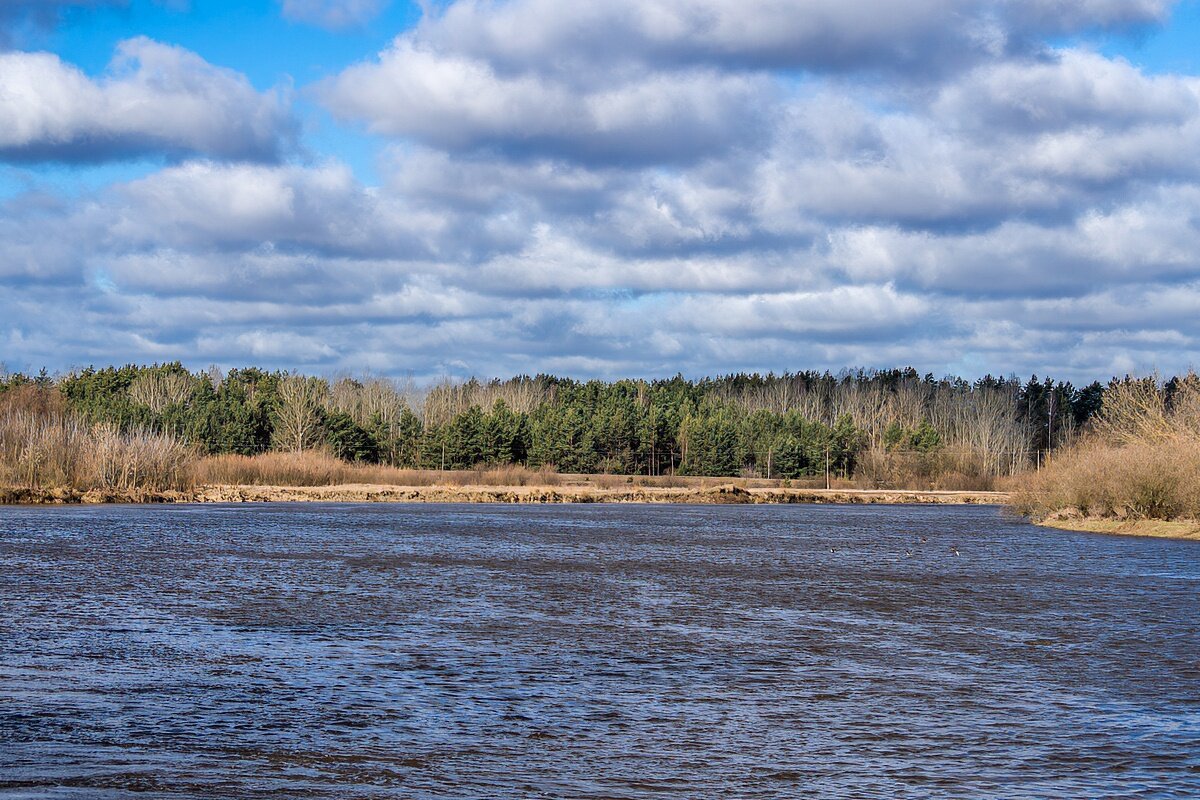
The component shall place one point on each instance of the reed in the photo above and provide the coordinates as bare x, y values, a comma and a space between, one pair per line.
56, 451
41, 452
320, 468
139, 459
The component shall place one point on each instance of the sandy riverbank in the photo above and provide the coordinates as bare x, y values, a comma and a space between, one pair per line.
1162, 529
720, 494
370, 493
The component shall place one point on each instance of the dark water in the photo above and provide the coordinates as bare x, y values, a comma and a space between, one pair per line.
585, 652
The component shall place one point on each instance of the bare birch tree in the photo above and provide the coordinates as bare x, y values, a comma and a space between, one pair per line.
158, 390
298, 414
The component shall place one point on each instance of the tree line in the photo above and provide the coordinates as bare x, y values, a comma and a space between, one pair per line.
886, 426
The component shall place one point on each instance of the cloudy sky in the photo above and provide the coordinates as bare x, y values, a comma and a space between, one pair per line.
610, 188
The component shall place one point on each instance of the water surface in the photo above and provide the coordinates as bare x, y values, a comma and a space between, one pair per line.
393, 651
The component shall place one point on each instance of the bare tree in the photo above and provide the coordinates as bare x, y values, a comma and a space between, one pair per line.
1134, 410
381, 400
1185, 405
345, 396
812, 405
159, 390
298, 413
522, 395
986, 428
216, 375
444, 401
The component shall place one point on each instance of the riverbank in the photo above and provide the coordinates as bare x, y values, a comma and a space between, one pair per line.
1157, 528
722, 494
375, 493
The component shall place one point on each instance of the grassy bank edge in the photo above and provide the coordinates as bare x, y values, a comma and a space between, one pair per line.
1157, 528
369, 493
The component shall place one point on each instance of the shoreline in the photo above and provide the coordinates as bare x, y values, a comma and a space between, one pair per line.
1184, 530
722, 494
725, 494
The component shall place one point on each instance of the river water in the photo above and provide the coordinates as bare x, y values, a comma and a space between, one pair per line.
422, 651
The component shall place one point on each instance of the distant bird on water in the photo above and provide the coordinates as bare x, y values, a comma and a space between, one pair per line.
954, 550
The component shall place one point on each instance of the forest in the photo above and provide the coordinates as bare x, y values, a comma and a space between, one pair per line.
880, 428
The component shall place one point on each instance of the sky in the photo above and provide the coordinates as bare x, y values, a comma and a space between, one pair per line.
627, 188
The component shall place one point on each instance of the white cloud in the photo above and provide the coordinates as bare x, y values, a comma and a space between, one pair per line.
918, 36
621, 188
456, 102
848, 312
1070, 88
154, 99
322, 210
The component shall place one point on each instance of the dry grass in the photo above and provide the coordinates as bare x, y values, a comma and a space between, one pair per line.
139, 459
1160, 529
1145, 480
1141, 462
54, 451
319, 468
940, 470
38, 452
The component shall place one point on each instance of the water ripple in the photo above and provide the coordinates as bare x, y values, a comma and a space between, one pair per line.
393, 651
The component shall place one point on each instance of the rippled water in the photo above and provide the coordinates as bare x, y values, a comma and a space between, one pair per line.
591, 651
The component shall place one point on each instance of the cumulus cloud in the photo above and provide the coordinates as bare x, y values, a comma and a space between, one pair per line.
455, 102
1043, 140
233, 262
844, 313
673, 185
921, 36
1072, 88
40, 246
679, 81
1147, 242
154, 99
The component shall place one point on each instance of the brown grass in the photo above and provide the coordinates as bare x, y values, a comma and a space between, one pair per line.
723, 493
940, 470
1141, 461
319, 468
1146, 480
1157, 528
54, 451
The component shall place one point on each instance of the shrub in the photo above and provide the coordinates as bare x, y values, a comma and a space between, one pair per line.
53, 451
1150, 480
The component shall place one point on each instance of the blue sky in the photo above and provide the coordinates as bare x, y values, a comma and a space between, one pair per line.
491, 187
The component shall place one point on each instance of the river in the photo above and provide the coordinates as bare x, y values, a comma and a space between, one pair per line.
447, 651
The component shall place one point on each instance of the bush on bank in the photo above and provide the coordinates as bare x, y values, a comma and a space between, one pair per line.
1140, 460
